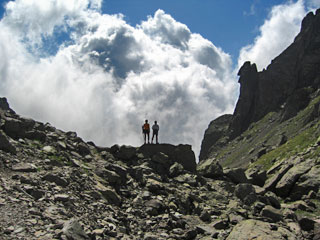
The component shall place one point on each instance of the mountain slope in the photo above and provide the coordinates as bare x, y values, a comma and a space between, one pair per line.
289, 85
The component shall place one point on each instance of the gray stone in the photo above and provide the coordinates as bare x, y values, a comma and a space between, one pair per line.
24, 167
83, 149
49, 149
272, 182
13, 128
73, 231
306, 224
155, 207
56, 179
306, 183
176, 169
285, 185
272, 200
126, 152
6, 145
210, 168
246, 193
213, 136
4, 105
256, 176
255, 229
161, 158
220, 224
236, 175
112, 177
109, 194
62, 197
153, 185
36, 193
184, 155
205, 216
271, 213
36, 135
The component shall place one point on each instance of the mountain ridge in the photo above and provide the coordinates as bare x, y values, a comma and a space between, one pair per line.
286, 85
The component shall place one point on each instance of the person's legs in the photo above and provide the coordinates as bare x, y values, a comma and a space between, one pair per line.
152, 136
157, 139
148, 133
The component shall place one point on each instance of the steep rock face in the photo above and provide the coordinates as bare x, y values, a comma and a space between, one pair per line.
213, 137
286, 87
296, 68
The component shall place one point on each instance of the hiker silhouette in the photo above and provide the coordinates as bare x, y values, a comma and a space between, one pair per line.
146, 131
155, 131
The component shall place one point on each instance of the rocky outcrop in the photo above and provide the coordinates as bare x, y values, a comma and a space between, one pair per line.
255, 229
269, 148
287, 86
213, 136
181, 154
284, 82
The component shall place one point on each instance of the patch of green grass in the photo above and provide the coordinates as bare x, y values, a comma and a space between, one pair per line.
36, 144
235, 156
60, 159
291, 148
253, 138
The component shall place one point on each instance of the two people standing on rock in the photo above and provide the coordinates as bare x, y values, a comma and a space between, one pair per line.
146, 132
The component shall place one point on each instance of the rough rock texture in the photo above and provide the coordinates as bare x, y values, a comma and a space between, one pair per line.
214, 133
287, 86
254, 229
297, 68
64, 188
269, 147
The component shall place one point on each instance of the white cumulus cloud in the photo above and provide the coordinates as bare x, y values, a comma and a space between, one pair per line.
107, 77
276, 34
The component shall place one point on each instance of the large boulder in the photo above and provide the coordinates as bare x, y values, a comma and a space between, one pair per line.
236, 175
4, 105
255, 229
73, 230
126, 152
306, 183
272, 181
18, 128
181, 154
5, 144
184, 155
246, 193
286, 183
210, 168
256, 176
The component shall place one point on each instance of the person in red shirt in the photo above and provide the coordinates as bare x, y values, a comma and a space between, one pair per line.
146, 131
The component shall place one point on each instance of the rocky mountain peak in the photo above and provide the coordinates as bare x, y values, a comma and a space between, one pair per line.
287, 85
272, 139
294, 69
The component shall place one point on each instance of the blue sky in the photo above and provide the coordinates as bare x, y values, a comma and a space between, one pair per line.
82, 67
228, 24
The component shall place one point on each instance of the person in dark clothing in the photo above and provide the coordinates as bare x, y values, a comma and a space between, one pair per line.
155, 131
